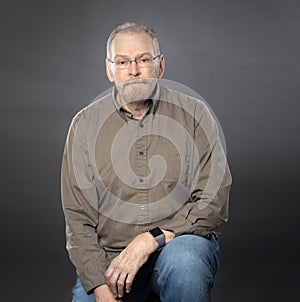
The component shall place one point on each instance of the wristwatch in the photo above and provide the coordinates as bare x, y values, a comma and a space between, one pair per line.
159, 236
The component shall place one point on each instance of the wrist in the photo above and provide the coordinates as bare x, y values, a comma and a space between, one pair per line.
153, 245
169, 235
159, 236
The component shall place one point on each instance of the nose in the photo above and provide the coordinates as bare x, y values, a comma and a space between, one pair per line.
134, 68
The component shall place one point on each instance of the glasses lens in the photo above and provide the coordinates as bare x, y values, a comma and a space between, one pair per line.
144, 61
122, 63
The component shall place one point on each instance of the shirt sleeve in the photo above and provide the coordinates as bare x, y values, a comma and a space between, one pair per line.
207, 207
77, 184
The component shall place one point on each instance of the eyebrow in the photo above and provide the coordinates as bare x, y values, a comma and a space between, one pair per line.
139, 55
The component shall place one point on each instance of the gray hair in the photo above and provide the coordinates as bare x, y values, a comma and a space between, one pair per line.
132, 27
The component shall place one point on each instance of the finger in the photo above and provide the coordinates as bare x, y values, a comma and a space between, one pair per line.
121, 283
128, 283
110, 270
113, 282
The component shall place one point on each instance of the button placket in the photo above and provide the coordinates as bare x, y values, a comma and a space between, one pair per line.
141, 168
141, 160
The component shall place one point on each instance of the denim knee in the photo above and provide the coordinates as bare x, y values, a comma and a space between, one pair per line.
191, 251
79, 294
186, 266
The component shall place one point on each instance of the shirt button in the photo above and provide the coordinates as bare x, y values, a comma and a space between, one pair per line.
142, 125
142, 207
141, 180
141, 152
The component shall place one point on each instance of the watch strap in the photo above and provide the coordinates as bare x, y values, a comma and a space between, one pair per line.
159, 236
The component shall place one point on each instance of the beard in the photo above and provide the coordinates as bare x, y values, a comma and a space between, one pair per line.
136, 90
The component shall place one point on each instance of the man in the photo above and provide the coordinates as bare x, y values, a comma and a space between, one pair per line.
145, 183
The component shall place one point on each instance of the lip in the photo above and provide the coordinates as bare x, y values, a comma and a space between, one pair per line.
133, 82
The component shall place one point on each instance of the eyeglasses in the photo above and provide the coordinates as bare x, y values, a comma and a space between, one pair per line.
142, 61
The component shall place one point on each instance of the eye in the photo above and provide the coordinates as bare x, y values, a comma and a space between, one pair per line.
145, 60
121, 62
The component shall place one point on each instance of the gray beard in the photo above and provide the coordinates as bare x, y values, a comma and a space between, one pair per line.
136, 90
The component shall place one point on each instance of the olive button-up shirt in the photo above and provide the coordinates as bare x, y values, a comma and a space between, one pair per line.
122, 177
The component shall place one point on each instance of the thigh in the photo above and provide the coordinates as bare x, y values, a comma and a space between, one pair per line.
190, 248
184, 259
79, 294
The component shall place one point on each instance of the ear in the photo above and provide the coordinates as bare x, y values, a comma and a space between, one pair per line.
161, 66
109, 72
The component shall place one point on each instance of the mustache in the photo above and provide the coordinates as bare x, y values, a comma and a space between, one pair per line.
138, 81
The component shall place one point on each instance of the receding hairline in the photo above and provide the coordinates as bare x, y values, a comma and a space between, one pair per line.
133, 28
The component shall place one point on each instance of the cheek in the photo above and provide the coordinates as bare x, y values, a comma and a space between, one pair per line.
156, 70
150, 73
119, 78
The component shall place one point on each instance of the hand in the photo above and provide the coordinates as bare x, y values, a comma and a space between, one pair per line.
103, 294
122, 270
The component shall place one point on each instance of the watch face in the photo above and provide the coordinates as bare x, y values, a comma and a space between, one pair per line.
156, 232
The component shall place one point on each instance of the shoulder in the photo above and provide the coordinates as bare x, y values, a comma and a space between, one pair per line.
194, 105
101, 106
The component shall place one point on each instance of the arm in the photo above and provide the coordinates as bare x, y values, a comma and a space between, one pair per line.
81, 216
207, 207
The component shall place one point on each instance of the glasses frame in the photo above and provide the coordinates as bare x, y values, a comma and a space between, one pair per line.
133, 60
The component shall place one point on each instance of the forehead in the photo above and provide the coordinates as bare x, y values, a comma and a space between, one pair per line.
130, 44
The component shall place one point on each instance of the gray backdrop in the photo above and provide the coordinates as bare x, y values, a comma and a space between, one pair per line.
241, 56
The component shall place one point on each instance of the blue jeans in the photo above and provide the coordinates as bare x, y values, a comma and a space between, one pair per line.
182, 271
